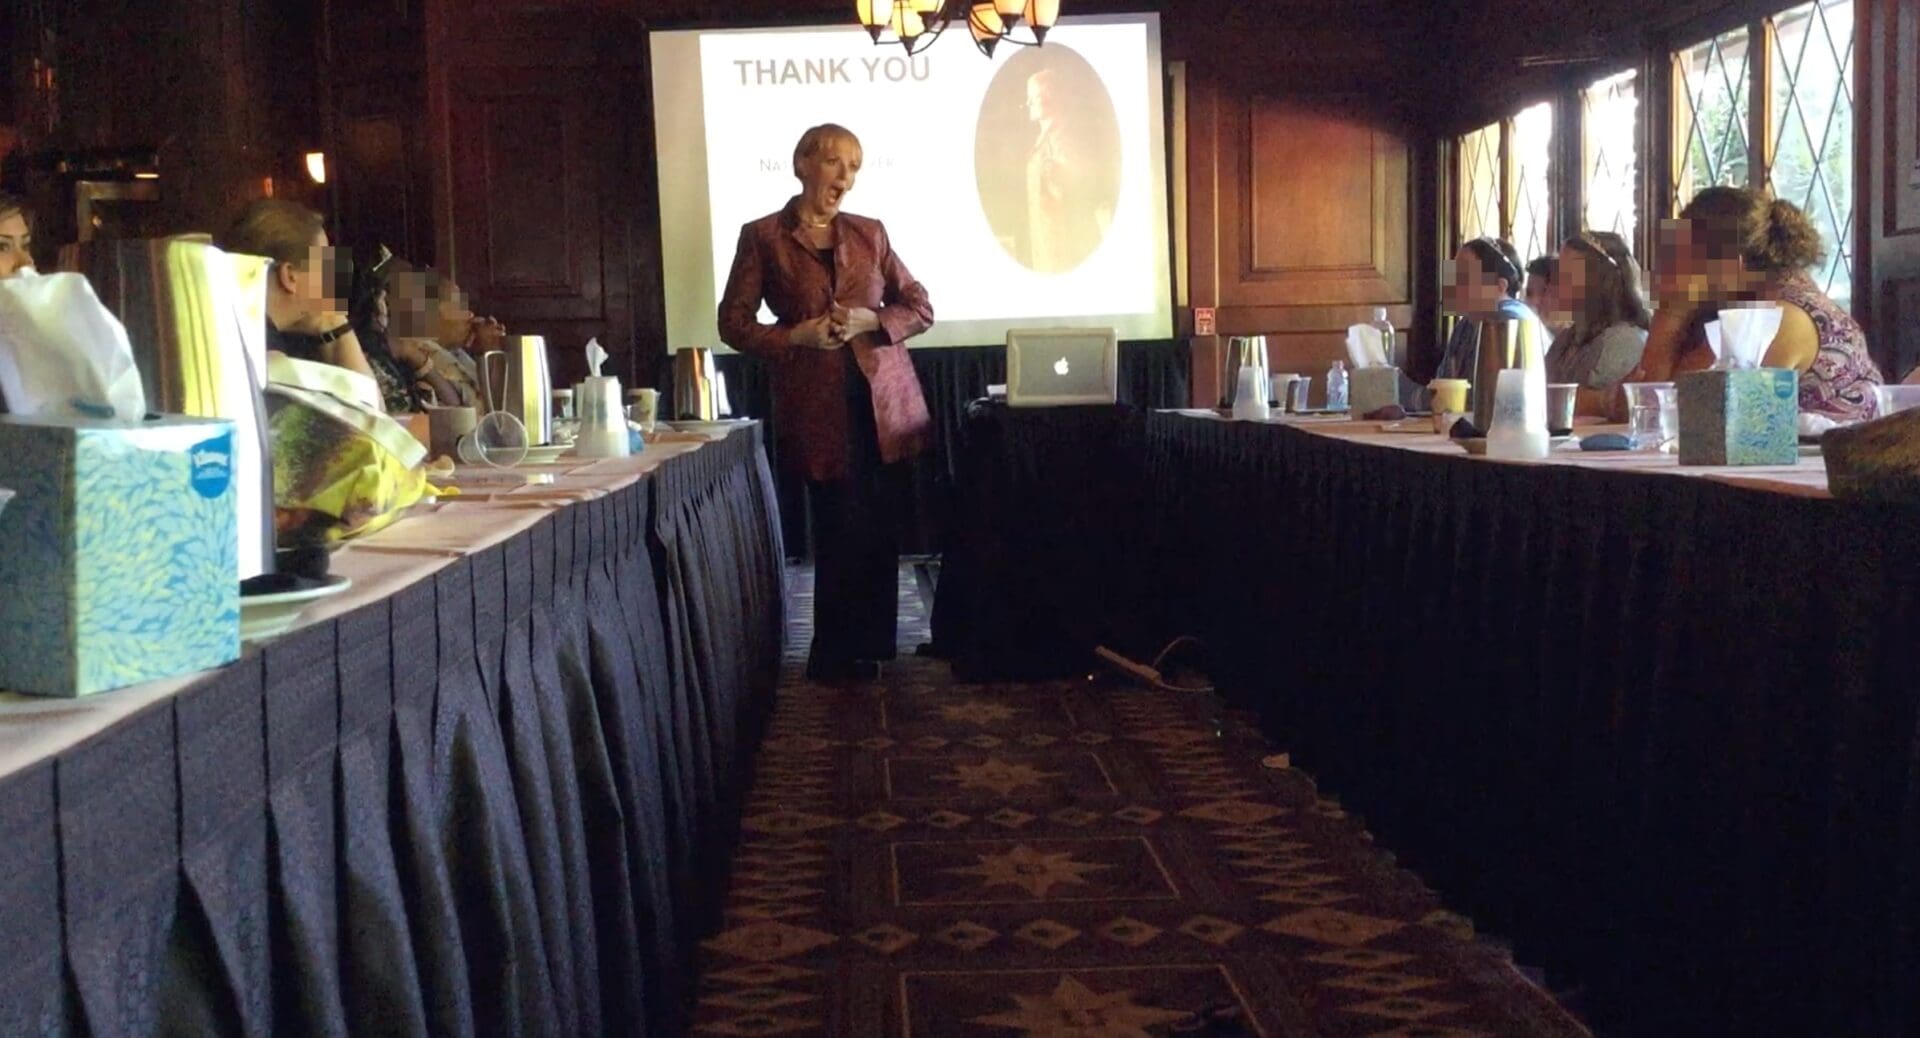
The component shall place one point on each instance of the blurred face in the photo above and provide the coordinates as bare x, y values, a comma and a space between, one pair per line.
412, 312
1692, 268
311, 281
455, 315
15, 240
1540, 295
1576, 281
1467, 288
827, 176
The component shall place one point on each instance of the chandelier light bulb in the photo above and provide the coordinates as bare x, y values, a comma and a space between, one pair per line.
1041, 14
873, 16
985, 24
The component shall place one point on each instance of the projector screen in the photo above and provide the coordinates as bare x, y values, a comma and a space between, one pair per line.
1006, 226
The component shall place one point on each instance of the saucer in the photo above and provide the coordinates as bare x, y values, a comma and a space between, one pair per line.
268, 616
547, 455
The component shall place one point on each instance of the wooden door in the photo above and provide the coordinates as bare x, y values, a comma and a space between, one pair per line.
1299, 225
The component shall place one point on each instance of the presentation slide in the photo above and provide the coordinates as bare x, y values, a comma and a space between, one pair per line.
1026, 190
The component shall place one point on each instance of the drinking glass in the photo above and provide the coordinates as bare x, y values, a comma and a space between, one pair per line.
1894, 399
1653, 414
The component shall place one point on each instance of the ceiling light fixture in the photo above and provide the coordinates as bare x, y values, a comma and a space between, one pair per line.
915, 24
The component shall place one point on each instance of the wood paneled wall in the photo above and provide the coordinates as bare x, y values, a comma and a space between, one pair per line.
374, 79
1302, 209
1890, 146
544, 190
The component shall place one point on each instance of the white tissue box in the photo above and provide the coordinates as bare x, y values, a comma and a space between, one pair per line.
118, 553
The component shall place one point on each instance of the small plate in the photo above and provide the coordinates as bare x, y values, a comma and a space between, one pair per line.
268, 616
547, 455
724, 425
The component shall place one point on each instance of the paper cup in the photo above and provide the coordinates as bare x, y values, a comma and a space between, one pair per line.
445, 427
645, 404
1449, 394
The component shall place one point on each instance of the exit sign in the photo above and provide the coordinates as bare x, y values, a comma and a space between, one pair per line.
1203, 320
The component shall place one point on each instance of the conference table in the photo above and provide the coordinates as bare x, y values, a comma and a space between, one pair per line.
489, 789
1658, 725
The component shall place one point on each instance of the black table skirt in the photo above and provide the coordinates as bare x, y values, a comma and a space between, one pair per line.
1050, 522
496, 802
1661, 731
1152, 374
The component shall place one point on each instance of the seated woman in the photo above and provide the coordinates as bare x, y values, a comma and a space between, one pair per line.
1732, 245
412, 369
1482, 285
1599, 293
306, 308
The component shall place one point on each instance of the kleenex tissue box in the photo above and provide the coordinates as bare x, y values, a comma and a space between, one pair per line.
1369, 389
118, 553
1748, 417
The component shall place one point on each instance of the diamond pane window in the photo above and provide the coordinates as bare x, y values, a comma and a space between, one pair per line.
1610, 108
1532, 149
1812, 132
1480, 183
1711, 82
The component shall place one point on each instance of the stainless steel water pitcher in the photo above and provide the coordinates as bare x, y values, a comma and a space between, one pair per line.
528, 394
693, 384
1243, 351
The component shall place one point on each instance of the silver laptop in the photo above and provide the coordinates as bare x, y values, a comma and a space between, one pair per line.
1049, 367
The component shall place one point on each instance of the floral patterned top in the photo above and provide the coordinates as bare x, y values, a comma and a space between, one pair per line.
1840, 383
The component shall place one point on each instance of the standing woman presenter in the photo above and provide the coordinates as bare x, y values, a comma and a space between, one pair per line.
846, 397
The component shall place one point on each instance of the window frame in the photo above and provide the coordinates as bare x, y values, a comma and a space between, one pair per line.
1757, 17
1657, 150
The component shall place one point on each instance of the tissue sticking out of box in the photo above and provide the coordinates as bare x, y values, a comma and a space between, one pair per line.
1745, 334
1366, 348
63, 354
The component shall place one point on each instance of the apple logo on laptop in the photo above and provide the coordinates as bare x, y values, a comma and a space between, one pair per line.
1060, 366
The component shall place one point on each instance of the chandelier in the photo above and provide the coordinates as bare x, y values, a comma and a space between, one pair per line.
917, 23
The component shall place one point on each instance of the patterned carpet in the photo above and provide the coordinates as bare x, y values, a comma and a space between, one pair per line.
1069, 860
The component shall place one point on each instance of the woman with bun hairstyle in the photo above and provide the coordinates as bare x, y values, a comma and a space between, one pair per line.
1730, 246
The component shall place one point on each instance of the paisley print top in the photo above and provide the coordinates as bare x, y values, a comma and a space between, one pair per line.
1840, 383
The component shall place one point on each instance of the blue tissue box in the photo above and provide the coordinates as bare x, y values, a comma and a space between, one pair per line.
1749, 417
118, 554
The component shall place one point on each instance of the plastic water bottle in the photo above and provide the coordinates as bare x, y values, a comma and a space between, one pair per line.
1337, 386
1386, 335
